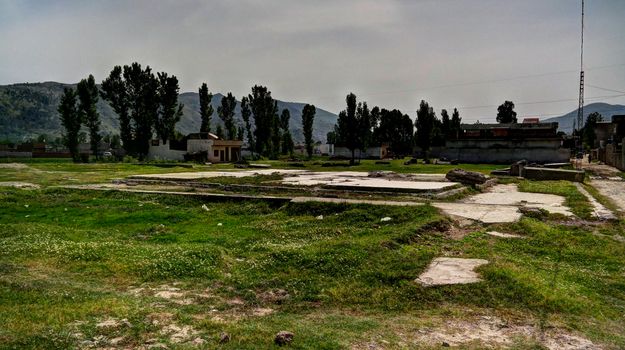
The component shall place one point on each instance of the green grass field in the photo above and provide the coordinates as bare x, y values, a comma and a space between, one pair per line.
171, 270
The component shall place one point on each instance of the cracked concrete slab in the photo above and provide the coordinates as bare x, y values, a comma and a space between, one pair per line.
488, 214
355, 180
443, 271
509, 194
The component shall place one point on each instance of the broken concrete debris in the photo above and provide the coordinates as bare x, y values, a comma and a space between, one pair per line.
443, 271
466, 177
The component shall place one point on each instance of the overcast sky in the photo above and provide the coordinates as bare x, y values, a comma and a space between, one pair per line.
469, 54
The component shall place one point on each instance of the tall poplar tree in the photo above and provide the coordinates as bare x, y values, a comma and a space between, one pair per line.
287, 139
246, 113
113, 90
348, 126
71, 121
169, 111
455, 124
264, 109
206, 108
226, 113
308, 117
426, 120
88, 96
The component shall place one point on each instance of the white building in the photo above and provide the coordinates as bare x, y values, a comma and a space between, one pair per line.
205, 146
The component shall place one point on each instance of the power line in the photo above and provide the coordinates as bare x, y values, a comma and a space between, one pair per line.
544, 101
606, 89
479, 82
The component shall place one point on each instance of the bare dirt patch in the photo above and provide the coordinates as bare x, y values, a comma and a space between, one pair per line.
178, 334
491, 332
15, 184
14, 166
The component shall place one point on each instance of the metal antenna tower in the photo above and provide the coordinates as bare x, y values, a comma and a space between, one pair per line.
580, 108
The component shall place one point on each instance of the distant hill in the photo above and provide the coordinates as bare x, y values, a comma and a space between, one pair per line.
28, 110
565, 122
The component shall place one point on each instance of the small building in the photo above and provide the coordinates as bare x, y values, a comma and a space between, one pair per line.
611, 141
203, 146
507, 143
375, 152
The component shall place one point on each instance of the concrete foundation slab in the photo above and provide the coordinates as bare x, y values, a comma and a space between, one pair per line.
510, 195
390, 185
208, 174
355, 180
488, 214
443, 271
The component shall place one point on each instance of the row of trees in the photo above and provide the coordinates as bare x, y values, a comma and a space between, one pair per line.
359, 127
267, 132
78, 108
147, 104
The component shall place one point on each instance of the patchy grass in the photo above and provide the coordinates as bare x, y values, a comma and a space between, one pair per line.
122, 270
73, 259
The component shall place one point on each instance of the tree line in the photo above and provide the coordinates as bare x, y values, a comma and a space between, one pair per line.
147, 105
359, 127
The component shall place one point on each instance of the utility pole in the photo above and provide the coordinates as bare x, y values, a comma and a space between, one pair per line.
580, 107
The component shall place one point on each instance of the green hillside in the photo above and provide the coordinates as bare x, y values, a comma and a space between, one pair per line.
28, 110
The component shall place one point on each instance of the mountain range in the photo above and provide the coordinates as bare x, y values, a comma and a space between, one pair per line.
30, 109
565, 122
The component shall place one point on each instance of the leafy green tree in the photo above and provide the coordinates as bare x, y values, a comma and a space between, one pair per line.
246, 113
365, 125
88, 96
113, 90
169, 111
506, 113
348, 126
426, 119
71, 120
240, 133
588, 131
115, 141
331, 137
142, 87
264, 109
206, 109
287, 139
220, 131
226, 114
308, 116
396, 130
445, 123
455, 124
